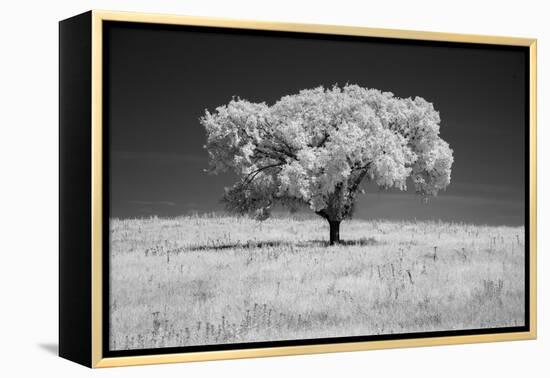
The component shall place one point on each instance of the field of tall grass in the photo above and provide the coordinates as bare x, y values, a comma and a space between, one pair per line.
202, 280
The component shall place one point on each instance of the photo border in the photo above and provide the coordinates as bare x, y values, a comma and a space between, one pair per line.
102, 357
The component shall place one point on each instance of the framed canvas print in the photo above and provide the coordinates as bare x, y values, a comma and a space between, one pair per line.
235, 189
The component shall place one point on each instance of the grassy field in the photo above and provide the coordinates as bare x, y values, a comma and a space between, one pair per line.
210, 279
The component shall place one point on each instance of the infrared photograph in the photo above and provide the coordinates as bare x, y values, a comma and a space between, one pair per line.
278, 187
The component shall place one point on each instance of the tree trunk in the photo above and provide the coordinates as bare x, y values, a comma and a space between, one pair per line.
334, 232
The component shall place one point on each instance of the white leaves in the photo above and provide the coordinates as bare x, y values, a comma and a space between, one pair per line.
320, 141
389, 172
432, 170
294, 181
391, 166
233, 133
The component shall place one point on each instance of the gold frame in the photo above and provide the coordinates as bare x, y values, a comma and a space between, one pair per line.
97, 45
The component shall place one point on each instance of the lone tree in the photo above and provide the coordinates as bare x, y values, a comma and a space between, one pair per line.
315, 148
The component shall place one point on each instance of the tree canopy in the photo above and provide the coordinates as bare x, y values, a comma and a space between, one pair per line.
317, 146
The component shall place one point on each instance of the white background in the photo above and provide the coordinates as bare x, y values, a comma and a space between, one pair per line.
29, 189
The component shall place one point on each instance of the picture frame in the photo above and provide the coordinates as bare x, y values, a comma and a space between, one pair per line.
86, 152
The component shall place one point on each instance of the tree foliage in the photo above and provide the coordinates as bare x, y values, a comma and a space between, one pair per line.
315, 147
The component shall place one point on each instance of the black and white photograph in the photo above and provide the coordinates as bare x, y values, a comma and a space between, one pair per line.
277, 187
290, 188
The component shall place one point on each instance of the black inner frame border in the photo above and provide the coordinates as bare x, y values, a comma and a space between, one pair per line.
106, 352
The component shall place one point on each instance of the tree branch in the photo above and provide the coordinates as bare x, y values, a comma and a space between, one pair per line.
252, 175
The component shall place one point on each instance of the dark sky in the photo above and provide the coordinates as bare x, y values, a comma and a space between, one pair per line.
160, 80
